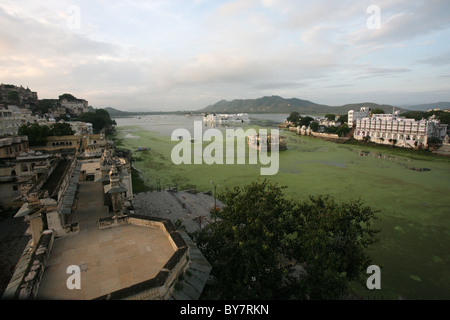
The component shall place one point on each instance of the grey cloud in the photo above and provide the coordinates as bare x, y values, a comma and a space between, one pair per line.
405, 22
25, 34
437, 60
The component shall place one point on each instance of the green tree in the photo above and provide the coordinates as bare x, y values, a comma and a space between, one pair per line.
294, 117
13, 96
61, 129
343, 130
37, 134
43, 106
378, 111
244, 244
259, 229
305, 121
331, 240
343, 118
330, 116
332, 129
67, 96
100, 119
314, 126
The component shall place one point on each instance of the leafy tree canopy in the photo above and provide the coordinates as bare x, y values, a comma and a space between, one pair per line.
67, 96
378, 111
314, 126
343, 118
13, 96
259, 230
37, 134
343, 130
100, 119
298, 120
44, 106
330, 116
294, 117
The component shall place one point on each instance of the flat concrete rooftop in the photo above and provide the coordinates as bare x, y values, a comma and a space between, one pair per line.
110, 259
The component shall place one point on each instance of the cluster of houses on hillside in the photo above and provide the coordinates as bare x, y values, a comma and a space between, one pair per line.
17, 105
75, 193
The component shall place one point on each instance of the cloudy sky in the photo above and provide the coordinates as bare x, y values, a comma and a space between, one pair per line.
187, 54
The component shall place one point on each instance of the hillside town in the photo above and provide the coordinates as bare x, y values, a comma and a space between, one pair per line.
75, 195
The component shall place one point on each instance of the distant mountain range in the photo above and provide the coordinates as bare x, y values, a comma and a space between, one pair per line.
428, 106
276, 104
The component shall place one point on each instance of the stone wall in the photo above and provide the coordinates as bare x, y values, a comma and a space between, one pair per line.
29, 285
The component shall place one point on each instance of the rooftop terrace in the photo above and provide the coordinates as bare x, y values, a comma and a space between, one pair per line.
110, 259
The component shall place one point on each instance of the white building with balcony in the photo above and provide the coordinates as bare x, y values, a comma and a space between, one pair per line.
353, 115
392, 129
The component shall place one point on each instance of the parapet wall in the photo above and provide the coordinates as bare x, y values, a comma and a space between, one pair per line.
161, 286
29, 284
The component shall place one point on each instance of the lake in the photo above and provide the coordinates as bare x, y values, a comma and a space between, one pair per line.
413, 251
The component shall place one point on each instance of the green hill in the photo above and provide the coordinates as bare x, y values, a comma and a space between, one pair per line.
276, 104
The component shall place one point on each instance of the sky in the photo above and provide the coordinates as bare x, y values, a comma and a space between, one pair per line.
176, 55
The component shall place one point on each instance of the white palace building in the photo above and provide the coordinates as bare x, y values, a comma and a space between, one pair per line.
394, 129
227, 118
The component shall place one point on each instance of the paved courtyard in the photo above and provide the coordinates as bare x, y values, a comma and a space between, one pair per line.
110, 259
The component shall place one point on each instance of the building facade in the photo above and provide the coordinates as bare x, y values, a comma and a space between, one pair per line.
75, 107
392, 129
22, 96
226, 118
353, 115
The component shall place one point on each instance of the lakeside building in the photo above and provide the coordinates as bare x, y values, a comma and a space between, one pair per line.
394, 129
254, 141
354, 116
329, 123
226, 118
